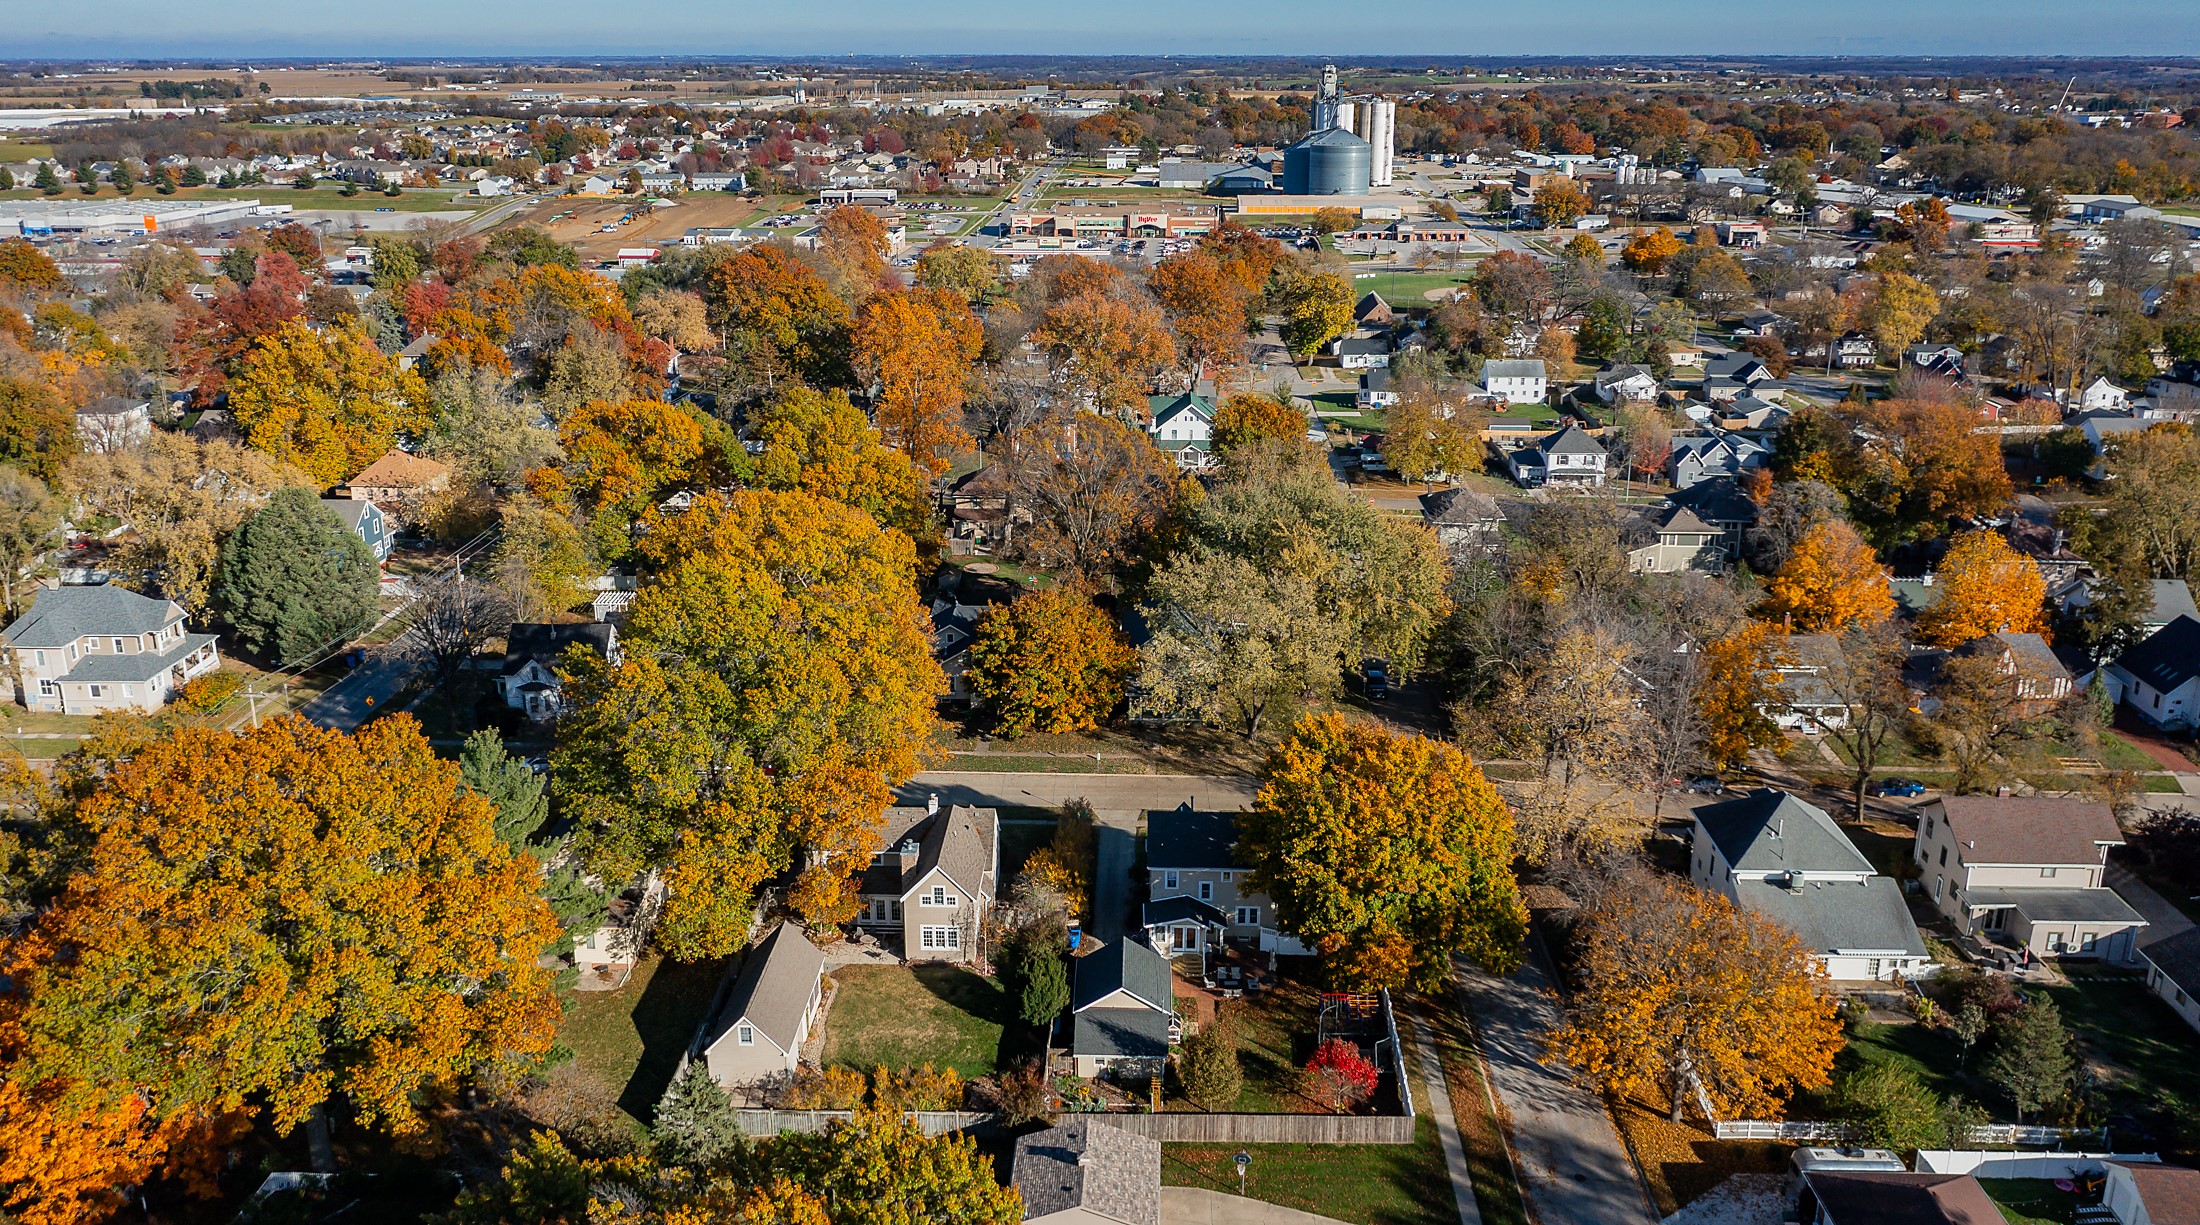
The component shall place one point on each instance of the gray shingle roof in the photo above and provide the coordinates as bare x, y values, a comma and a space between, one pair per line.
1125, 965
2027, 829
959, 840
2178, 958
2172, 599
1087, 1164
2060, 905
2168, 658
1570, 441
1838, 916
1183, 908
1460, 506
65, 614
538, 641
1513, 368
1183, 838
353, 511
1771, 831
1137, 1033
141, 666
772, 989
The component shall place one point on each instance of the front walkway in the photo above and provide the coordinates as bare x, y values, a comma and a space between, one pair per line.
1199, 1206
1573, 1167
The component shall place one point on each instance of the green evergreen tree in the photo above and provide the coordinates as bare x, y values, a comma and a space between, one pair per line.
695, 1123
1046, 987
1890, 1108
47, 181
124, 181
505, 781
2031, 1060
7, 179
294, 580
1209, 1067
193, 177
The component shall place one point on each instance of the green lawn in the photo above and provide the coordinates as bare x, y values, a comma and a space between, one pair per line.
2118, 753
420, 200
2137, 1046
1933, 1055
902, 1016
1409, 288
1275, 1035
631, 1039
2031, 1201
1364, 1184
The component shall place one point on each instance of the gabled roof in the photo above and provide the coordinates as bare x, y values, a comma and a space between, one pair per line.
1168, 408
1183, 908
1771, 831
1184, 838
772, 990
1090, 1165
397, 470
1717, 500
1839, 916
2171, 1193
1513, 368
1461, 507
1681, 521
2030, 650
2168, 658
527, 641
1875, 1197
1362, 344
353, 511
2178, 958
1125, 965
2172, 599
1571, 440
65, 614
1371, 304
2028, 829
960, 841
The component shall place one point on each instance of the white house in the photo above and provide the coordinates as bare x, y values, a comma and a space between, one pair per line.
1184, 426
1519, 381
1568, 457
2160, 678
1360, 352
1787, 860
2149, 1193
530, 680
1625, 383
114, 423
1378, 389
2100, 395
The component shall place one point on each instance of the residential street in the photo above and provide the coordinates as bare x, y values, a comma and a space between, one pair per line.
1573, 1166
1119, 802
367, 688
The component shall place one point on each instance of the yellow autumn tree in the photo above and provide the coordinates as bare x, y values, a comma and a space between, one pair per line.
1740, 678
1249, 417
1831, 581
262, 922
1682, 991
917, 348
1049, 662
328, 403
819, 443
1986, 587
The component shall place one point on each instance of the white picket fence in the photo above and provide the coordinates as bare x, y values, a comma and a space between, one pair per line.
1806, 1131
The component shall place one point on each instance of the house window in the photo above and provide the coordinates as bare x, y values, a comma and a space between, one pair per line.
1226, 877
39, 657
1938, 881
1168, 880
745, 1035
1206, 891
1248, 916
118, 646
2047, 872
939, 897
2087, 941
47, 688
94, 691
1944, 857
940, 938
1928, 826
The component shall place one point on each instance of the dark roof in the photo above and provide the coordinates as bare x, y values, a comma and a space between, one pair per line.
1461, 507
2030, 649
1570, 441
65, 614
1363, 344
1717, 500
959, 840
1771, 831
1182, 838
1135, 1032
2060, 905
535, 641
1183, 908
353, 511
2171, 1193
1125, 965
2168, 658
1378, 379
1371, 303
2027, 829
772, 989
2178, 958
137, 666
1838, 916
1876, 1197
1087, 1164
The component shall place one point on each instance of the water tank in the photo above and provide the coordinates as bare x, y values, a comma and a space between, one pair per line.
1328, 163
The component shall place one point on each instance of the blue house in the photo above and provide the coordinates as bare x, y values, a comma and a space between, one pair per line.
367, 519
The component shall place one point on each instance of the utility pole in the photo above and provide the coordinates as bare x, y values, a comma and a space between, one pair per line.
252, 698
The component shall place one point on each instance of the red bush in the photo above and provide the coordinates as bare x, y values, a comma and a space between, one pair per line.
1339, 1077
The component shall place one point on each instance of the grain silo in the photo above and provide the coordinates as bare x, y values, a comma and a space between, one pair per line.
1328, 163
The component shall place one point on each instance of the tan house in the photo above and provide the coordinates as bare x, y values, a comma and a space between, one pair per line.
2027, 872
1671, 539
83, 650
934, 880
397, 480
1198, 888
755, 1034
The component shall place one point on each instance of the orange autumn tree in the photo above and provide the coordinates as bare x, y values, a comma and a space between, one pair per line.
1049, 662
853, 237
1389, 853
917, 348
819, 443
779, 315
1106, 345
328, 403
1740, 680
263, 922
776, 682
1249, 417
1830, 582
1682, 989
1986, 587
1206, 302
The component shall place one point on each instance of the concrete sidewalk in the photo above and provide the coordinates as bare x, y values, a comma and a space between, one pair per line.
1199, 1206
1437, 1103
1573, 1166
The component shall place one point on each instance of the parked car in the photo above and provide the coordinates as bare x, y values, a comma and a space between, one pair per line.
1908, 788
1706, 784
1375, 673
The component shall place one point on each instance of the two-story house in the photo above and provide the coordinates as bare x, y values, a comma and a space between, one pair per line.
934, 880
1567, 457
1804, 699
1696, 458
530, 680
764, 1015
1671, 539
1623, 383
1193, 855
2159, 680
114, 423
2039, 680
1463, 518
367, 520
83, 650
1184, 426
1516, 380
1122, 1011
2028, 871
1786, 859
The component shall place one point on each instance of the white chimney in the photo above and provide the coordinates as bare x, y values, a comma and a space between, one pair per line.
932, 804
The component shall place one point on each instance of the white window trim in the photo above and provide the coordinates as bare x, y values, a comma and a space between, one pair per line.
1248, 916
1168, 880
1206, 891
745, 1034
940, 897
943, 939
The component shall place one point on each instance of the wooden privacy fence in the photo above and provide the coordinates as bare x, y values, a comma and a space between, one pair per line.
1268, 1128
934, 1122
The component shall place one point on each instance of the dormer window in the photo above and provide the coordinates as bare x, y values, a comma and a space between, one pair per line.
940, 897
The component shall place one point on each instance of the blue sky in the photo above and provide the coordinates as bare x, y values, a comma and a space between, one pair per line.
1144, 27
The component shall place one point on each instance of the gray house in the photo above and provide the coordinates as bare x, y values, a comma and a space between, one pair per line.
1193, 854
83, 650
1701, 457
368, 521
1462, 518
1086, 1172
755, 1035
1671, 539
1122, 1011
934, 880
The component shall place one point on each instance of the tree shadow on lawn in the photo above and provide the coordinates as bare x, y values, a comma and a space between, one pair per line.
987, 1000
666, 1018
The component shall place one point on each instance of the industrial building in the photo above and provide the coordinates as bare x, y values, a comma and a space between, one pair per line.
1067, 224
1374, 120
34, 217
1331, 162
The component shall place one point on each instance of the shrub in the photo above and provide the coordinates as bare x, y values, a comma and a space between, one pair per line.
1046, 986
827, 1089
918, 1088
696, 1123
207, 692
1339, 1077
1022, 1094
1208, 1067
1890, 1108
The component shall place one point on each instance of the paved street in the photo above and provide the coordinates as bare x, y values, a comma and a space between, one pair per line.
2163, 918
1119, 802
346, 704
1573, 1166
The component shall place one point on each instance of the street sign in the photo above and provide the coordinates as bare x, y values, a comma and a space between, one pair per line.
1243, 1159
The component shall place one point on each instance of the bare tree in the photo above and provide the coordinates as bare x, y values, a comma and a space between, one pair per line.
1864, 676
453, 619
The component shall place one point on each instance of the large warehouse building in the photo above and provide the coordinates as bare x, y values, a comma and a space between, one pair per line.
116, 216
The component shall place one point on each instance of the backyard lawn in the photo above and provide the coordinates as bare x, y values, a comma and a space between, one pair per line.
631, 1039
2031, 1201
902, 1016
2146, 1060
